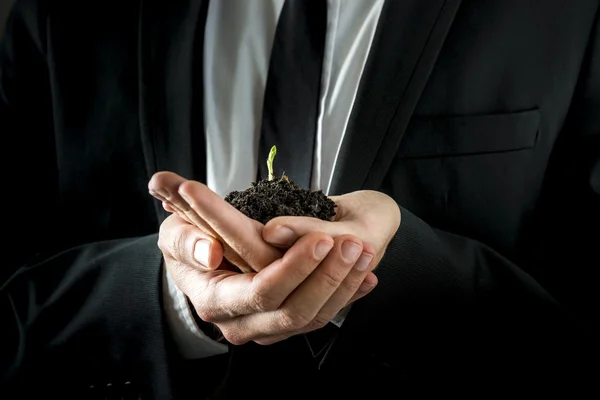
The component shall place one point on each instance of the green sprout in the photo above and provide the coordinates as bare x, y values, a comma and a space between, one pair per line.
270, 162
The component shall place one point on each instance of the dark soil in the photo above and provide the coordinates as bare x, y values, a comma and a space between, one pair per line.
265, 200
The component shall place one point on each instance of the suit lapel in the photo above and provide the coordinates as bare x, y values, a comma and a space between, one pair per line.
171, 37
409, 36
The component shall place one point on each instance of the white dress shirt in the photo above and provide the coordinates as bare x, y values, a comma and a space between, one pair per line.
237, 47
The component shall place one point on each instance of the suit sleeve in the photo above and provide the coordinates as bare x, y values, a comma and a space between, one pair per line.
50, 290
72, 306
450, 306
27, 134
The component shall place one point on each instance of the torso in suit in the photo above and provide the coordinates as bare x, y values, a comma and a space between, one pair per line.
479, 118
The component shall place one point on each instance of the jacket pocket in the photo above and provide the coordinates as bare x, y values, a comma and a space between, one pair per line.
428, 136
475, 176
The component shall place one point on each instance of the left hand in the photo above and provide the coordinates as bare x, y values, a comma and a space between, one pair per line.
371, 216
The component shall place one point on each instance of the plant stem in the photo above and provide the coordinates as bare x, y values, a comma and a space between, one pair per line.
270, 162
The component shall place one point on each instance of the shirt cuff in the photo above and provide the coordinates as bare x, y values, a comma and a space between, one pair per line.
339, 319
190, 340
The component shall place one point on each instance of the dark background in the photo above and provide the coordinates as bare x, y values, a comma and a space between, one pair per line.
5, 6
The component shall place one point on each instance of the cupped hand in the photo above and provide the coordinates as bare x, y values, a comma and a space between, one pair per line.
239, 236
296, 293
371, 216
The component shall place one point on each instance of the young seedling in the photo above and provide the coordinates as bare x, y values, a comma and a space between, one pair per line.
270, 159
270, 198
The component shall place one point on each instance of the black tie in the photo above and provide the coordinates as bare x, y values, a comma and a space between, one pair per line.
291, 104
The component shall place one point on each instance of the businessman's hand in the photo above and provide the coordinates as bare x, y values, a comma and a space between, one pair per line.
240, 236
296, 293
371, 216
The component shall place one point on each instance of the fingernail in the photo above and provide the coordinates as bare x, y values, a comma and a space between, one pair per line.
363, 262
202, 251
283, 236
184, 196
350, 251
322, 249
160, 192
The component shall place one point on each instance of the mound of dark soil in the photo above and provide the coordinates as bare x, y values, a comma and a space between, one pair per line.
266, 199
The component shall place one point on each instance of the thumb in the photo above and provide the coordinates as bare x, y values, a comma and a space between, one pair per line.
208, 252
284, 231
240, 236
189, 245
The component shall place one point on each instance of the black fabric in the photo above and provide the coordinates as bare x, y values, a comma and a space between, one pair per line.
486, 289
292, 92
202, 377
319, 340
64, 303
402, 56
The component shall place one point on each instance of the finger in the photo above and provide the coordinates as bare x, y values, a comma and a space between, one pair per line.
168, 208
367, 286
220, 300
164, 186
369, 283
189, 245
302, 306
348, 288
283, 231
272, 286
242, 235
306, 301
161, 187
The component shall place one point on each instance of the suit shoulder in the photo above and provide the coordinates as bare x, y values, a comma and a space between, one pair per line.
27, 21
38, 19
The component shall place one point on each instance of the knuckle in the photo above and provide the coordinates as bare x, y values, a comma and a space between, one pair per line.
333, 278
202, 295
165, 231
319, 322
234, 337
261, 301
173, 242
202, 307
244, 253
178, 243
299, 272
270, 340
206, 301
206, 315
162, 242
292, 321
350, 284
264, 342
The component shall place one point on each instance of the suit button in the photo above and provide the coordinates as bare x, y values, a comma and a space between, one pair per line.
95, 393
129, 392
110, 392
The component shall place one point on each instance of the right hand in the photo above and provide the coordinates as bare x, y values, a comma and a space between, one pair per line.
239, 236
297, 293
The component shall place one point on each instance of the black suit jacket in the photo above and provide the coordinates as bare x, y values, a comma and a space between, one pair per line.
480, 118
